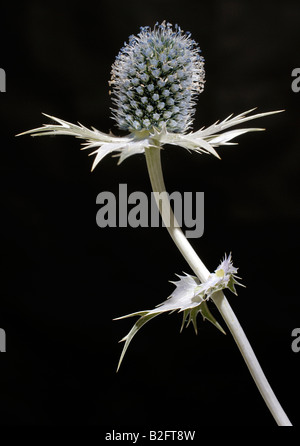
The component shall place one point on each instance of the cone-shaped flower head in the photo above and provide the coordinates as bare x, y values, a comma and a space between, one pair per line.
155, 79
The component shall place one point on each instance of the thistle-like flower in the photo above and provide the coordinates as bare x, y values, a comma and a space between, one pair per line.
155, 80
189, 297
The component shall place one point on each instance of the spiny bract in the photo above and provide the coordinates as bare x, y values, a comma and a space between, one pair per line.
155, 79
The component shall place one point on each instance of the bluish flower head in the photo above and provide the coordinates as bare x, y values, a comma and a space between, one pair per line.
155, 80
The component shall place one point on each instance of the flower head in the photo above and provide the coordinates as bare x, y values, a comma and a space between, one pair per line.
155, 79
190, 297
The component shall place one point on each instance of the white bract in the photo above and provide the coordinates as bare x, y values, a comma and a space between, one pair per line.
189, 297
155, 80
203, 141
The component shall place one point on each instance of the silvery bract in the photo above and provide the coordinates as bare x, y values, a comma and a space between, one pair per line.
155, 80
189, 297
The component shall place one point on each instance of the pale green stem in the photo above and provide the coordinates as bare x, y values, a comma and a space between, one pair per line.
157, 182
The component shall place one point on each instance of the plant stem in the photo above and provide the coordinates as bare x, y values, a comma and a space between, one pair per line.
156, 177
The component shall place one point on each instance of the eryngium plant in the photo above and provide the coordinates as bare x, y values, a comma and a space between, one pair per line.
155, 81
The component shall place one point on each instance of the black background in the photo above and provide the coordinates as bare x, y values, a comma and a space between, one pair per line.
64, 279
